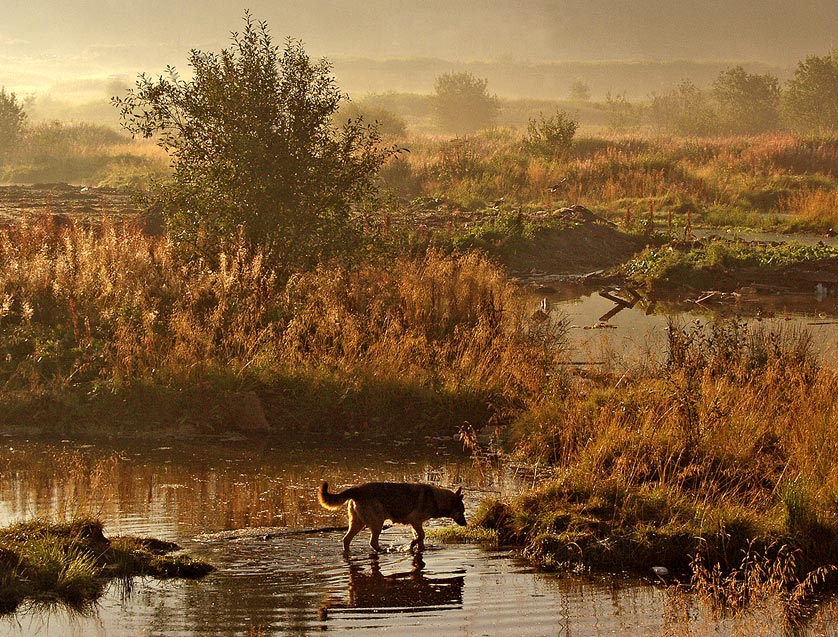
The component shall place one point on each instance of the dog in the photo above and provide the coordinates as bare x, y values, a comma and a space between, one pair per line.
369, 505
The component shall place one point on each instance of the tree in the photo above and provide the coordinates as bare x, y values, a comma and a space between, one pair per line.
463, 104
810, 101
684, 111
551, 137
623, 116
12, 121
748, 103
255, 152
580, 92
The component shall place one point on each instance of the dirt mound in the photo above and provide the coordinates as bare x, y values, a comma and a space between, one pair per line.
573, 250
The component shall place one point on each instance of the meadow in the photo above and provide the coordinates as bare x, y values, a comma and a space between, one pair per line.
713, 461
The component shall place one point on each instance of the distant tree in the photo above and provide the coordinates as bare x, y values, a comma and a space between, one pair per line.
386, 121
580, 92
463, 104
256, 153
748, 103
551, 137
683, 111
623, 116
810, 101
12, 121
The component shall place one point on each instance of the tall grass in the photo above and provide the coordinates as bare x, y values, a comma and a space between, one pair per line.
727, 179
97, 312
727, 449
82, 153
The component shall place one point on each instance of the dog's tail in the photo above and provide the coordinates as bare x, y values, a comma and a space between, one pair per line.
330, 500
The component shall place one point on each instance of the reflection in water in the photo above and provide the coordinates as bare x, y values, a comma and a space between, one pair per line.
638, 326
405, 590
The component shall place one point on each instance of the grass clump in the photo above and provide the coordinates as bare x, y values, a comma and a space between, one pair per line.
724, 265
726, 451
70, 562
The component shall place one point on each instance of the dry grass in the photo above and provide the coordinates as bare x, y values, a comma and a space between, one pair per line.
728, 450
730, 180
96, 312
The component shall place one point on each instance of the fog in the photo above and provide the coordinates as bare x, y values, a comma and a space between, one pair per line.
81, 49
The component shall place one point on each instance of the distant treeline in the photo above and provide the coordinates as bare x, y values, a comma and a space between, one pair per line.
545, 80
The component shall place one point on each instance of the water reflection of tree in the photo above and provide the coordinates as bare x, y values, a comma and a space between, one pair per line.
398, 592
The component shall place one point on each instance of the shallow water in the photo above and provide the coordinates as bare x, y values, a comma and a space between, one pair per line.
250, 510
640, 332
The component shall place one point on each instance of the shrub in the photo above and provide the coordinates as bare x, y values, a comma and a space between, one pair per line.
749, 103
12, 120
551, 137
811, 98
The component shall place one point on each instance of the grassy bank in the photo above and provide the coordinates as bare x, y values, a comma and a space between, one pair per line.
718, 264
104, 332
71, 562
720, 465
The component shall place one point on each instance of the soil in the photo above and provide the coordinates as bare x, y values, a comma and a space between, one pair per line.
65, 201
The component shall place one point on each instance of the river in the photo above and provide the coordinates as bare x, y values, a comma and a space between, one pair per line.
249, 509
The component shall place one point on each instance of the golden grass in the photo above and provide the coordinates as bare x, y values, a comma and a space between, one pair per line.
100, 310
728, 178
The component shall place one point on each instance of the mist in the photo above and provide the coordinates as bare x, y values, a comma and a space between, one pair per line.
77, 51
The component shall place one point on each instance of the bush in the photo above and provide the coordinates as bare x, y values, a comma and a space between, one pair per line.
256, 152
684, 111
12, 120
551, 137
749, 103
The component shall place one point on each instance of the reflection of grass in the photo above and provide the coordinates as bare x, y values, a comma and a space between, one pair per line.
72, 561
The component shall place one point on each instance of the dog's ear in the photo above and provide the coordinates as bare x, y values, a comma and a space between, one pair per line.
459, 492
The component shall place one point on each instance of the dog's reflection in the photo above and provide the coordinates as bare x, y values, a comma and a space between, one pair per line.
408, 590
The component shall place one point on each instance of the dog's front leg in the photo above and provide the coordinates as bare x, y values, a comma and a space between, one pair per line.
418, 537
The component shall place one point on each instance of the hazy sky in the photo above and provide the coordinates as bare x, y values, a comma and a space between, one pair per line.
43, 42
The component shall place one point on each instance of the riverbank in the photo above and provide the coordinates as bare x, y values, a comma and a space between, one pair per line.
71, 562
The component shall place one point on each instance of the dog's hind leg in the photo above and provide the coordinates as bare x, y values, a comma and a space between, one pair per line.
355, 526
375, 530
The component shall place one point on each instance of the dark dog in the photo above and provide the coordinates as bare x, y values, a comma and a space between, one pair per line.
372, 503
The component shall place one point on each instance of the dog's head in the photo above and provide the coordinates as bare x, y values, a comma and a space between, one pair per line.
458, 509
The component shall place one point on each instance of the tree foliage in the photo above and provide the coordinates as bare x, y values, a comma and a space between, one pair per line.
811, 98
463, 104
12, 121
256, 153
748, 103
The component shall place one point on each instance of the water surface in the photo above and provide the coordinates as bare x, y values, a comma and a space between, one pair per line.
250, 510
